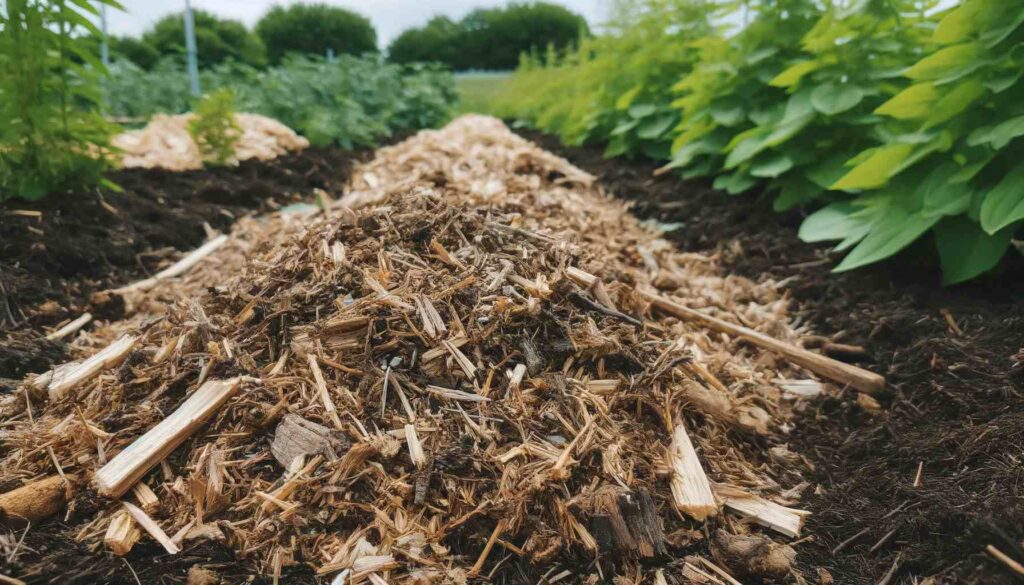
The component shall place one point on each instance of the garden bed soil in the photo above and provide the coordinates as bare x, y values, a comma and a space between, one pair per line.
953, 360
58, 255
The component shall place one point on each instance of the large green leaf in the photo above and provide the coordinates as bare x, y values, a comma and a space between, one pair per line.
728, 111
955, 102
653, 127
999, 135
771, 167
1004, 204
966, 251
876, 170
892, 230
913, 103
944, 62
941, 195
835, 98
837, 221
795, 72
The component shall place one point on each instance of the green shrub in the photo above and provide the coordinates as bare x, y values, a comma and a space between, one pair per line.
214, 128
490, 39
310, 29
351, 102
51, 137
218, 40
899, 119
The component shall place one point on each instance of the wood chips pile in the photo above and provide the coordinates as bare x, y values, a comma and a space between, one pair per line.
165, 142
418, 385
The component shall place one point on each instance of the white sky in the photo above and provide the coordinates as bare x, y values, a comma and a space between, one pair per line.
390, 17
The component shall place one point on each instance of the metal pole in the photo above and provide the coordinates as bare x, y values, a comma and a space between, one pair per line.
330, 55
104, 46
190, 51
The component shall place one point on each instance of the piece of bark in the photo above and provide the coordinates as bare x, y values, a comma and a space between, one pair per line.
121, 473
122, 533
752, 555
296, 436
36, 500
691, 490
627, 522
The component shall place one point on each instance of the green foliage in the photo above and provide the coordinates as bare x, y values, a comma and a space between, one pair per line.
214, 128
310, 29
490, 39
47, 142
902, 121
355, 101
217, 40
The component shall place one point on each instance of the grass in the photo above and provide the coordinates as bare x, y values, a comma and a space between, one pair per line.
478, 90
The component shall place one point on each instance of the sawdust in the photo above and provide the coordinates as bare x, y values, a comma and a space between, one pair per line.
468, 408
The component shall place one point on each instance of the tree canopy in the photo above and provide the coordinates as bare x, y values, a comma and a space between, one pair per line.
312, 29
490, 38
217, 39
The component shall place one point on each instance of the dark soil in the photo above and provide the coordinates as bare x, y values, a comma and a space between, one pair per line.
951, 355
52, 267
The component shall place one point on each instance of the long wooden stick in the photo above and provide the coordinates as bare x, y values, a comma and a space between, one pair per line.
121, 473
834, 370
70, 327
67, 376
179, 267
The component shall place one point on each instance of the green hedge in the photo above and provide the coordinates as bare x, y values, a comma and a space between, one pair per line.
899, 121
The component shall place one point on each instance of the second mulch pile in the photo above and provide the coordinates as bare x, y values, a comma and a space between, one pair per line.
449, 374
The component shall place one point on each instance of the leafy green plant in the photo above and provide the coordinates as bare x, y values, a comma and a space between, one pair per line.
52, 136
214, 128
898, 118
354, 101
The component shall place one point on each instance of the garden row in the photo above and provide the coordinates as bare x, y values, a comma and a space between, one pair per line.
58, 98
894, 118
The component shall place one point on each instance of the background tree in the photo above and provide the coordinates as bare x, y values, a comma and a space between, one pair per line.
491, 39
135, 50
217, 39
312, 29
436, 41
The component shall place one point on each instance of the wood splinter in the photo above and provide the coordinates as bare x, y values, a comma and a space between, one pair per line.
691, 490
121, 473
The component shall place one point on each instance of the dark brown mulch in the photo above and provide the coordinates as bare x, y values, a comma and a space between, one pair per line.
955, 406
51, 268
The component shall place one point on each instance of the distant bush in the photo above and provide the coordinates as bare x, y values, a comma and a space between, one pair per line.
310, 29
217, 40
354, 101
47, 143
214, 128
492, 38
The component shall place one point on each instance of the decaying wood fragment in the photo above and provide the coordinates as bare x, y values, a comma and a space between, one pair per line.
35, 500
691, 490
121, 473
122, 533
628, 522
752, 555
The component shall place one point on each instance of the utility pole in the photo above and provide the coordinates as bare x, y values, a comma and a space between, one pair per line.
190, 50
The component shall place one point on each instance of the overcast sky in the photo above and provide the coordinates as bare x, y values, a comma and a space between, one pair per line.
390, 17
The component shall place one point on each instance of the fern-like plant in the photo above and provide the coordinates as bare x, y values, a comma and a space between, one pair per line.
214, 128
52, 136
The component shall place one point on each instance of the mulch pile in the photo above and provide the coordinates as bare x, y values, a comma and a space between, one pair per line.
165, 142
416, 384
